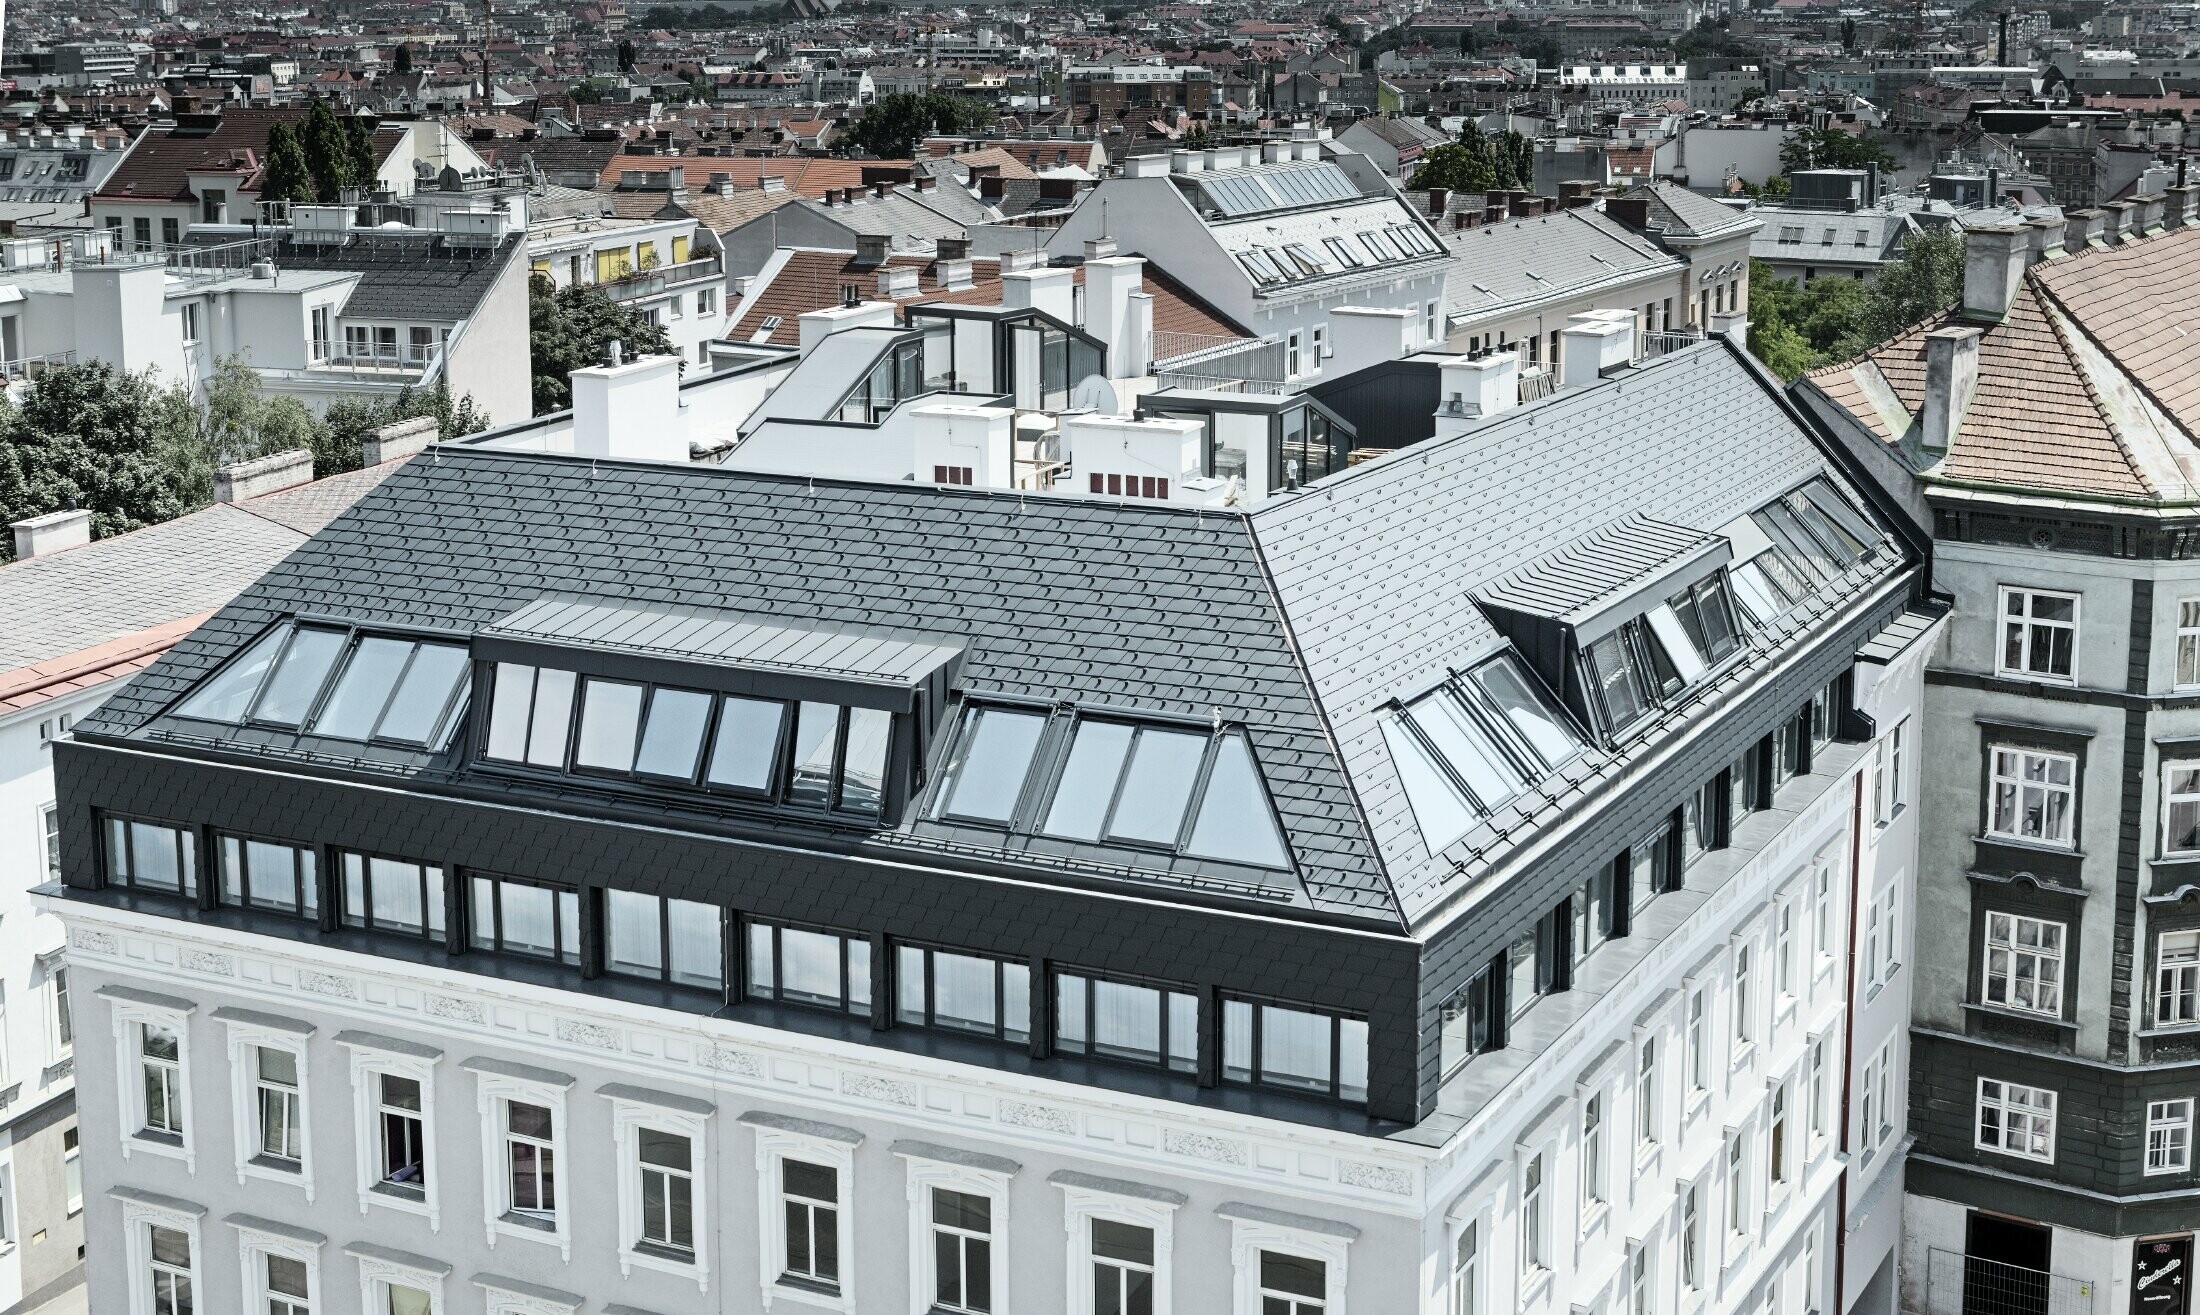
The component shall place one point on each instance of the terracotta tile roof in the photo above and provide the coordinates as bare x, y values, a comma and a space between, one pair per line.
158, 168
810, 176
811, 281
2085, 387
59, 677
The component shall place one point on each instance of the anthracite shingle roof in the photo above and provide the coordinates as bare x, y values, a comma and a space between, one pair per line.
1302, 619
410, 276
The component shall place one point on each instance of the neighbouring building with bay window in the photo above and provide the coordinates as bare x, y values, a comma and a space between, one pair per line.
575, 881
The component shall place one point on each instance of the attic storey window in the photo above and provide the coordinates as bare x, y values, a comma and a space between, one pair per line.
1165, 787
338, 683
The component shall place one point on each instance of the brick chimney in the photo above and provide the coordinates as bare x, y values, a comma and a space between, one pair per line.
1633, 211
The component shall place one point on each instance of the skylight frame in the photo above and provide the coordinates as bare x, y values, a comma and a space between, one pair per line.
351, 638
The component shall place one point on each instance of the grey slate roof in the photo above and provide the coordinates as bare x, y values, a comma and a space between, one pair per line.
1682, 213
411, 276
1576, 579
748, 640
1527, 260
1302, 618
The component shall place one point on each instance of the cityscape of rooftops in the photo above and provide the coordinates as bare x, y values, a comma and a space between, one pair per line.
865, 657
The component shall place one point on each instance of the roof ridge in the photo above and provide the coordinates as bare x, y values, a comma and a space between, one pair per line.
2055, 325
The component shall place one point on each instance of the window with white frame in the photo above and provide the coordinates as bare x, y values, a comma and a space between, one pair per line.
281, 1270
1119, 1249
1821, 908
2039, 634
664, 1213
393, 1135
72, 1169
1640, 1298
958, 1225
1699, 1070
1534, 1232
49, 841
160, 1253
2016, 1120
2188, 644
2033, 796
805, 1179
1884, 921
1646, 1093
2177, 979
1888, 1111
2181, 808
390, 1286
61, 1035
1466, 1270
1592, 1156
1783, 949
1285, 1270
1691, 1238
2169, 1135
1745, 1000
153, 1052
267, 1096
1815, 1089
168, 1271
7, 1205
523, 1120
1887, 765
2024, 964
1738, 1220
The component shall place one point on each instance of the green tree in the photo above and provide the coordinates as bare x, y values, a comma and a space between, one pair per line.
893, 126
402, 62
1457, 167
93, 437
1848, 34
567, 330
359, 152
241, 422
1831, 148
286, 176
348, 422
1927, 280
626, 55
327, 155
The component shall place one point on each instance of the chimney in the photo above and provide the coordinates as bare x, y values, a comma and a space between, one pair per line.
2084, 228
1951, 375
1013, 262
952, 275
1633, 211
896, 282
2047, 238
1475, 387
952, 248
1994, 258
1118, 313
268, 474
1439, 200
403, 438
630, 412
2120, 226
1593, 342
871, 248
2148, 221
1046, 289
817, 325
2183, 205
39, 535
1099, 248
946, 436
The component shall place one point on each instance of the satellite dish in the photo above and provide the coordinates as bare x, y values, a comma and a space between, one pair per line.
1095, 393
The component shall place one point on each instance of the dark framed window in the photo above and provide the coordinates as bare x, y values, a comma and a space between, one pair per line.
1650, 867
1293, 1048
993, 756
667, 940
1741, 786
328, 680
1620, 679
265, 874
1591, 915
1699, 823
1706, 613
1134, 1022
525, 917
392, 895
152, 856
1526, 975
1824, 708
1188, 790
821, 969
962, 992
1470, 1021
805, 754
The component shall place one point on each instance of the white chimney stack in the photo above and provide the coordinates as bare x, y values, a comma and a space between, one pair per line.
50, 533
630, 412
1112, 286
1951, 377
1592, 343
1361, 336
1475, 387
1047, 289
1994, 258
956, 444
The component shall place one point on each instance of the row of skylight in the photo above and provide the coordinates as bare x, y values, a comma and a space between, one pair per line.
1474, 742
1290, 261
1190, 791
325, 680
1236, 195
800, 754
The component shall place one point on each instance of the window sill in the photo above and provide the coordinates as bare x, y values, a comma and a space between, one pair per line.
665, 1260
526, 1223
2038, 678
1535, 1286
165, 1144
276, 1165
2030, 843
1595, 1217
810, 1291
2172, 1030
413, 1200
1745, 1054
2056, 1021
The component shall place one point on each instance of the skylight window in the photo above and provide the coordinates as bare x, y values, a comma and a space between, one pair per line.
987, 774
377, 687
1346, 254
1260, 266
1190, 790
1379, 246
1474, 743
835, 759
1306, 257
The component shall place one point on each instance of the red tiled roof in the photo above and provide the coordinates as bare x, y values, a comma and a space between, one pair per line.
158, 168
84, 669
810, 176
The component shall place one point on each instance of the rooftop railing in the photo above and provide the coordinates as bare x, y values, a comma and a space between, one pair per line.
1650, 346
1233, 365
660, 278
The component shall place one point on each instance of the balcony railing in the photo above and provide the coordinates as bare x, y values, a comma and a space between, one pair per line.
661, 278
1650, 346
383, 358
1536, 384
1233, 365
1957, 1284
30, 367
